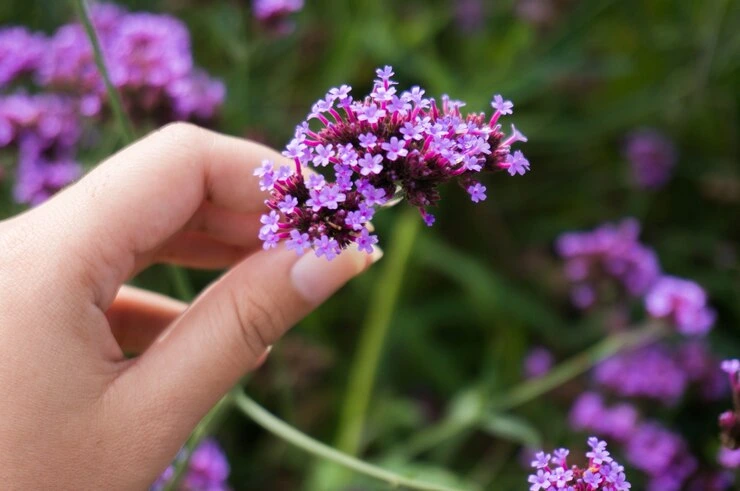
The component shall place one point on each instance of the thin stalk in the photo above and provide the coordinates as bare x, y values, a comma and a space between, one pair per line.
291, 435
530, 390
381, 307
180, 282
204, 428
114, 97
576, 365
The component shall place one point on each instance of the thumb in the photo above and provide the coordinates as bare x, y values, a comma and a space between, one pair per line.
224, 333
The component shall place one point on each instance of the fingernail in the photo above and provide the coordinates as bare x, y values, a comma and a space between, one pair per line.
316, 279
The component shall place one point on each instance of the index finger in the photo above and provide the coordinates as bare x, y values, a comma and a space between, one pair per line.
138, 198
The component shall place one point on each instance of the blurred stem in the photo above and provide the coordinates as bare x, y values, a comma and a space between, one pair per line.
114, 97
204, 428
379, 315
180, 282
282, 430
531, 389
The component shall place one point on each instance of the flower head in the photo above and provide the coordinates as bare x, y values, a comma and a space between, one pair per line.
391, 144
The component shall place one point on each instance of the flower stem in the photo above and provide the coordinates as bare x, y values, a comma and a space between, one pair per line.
204, 428
282, 430
114, 97
365, 364
530, 390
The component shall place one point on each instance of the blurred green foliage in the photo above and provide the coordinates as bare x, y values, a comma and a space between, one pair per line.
483, 285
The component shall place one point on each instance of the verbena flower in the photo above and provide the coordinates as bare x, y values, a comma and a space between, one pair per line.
652, 157
389, 145
601, 473
609, 251
149, 60
275, 14
683, 302
590, 413
652, 372
44, 130
20, 53
661, 454
208, 469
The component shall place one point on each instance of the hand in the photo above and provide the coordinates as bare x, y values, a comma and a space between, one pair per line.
76, 413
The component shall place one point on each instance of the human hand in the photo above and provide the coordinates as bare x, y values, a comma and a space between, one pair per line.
76, 413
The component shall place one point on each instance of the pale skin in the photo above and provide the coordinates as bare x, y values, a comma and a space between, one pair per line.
78, 414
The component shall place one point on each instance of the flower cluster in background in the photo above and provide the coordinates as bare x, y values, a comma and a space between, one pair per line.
601, 473
385, 146
274, 15
652, 157
208, 470
50, 87
610, 263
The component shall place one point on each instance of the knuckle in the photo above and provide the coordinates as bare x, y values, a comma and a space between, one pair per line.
180, 131
258, 322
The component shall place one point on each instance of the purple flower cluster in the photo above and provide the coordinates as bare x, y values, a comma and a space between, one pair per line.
149, 60
208, 470
390, 145
45, 130
150, 63
609, 251
683, 302
661, 454
274, 14
601, 473
20, 53
649, 447
652, 157
590, 413
652, 372
613, 252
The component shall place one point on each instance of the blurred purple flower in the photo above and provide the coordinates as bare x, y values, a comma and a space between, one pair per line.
274, 14
729, 459
662, 454
20, 53
652, 372
609, 251
589, 413
652, 157
683, 302
208, 470
197, 96
538, 362
470, 15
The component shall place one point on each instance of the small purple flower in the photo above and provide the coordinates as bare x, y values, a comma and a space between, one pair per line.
411, 131
367, 140
385, 73
541, 460
374, 196
730, 459
652, 157
371, 114
731, 367
517, 164
370, 164
288, 204
20, 52
315, 181
502, 106
340, 93
326, 247
538, 362
366, 241
683, 302
208, 469
270, 222
395, 149
541, 480
298, 242
477, 192
323, 154
592, 479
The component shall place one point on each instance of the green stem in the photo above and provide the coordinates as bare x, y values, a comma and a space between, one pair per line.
576, 365
114, 97
204, 428
180, 282
286, 432
530, 390
379, 315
